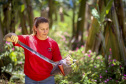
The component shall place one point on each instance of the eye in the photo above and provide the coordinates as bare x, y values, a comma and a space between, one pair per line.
42, 29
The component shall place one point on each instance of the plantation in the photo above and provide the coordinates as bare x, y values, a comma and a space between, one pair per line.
91, 32
88, 69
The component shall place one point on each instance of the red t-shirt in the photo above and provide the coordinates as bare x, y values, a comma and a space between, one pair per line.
35, 67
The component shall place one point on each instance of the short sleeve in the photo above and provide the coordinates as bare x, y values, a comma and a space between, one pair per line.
56, 52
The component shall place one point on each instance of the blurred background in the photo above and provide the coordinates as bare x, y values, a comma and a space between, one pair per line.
91, 31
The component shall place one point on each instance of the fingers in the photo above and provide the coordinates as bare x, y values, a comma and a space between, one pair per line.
14, 39
69, 60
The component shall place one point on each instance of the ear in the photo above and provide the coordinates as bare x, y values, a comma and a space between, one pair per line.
35, 28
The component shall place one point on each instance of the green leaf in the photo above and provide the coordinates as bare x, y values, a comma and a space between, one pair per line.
22, 7
94, 12
106, 10
13, 57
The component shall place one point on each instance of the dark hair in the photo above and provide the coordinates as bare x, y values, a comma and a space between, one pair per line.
37, 21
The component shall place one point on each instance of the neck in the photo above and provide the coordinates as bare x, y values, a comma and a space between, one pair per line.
41, 38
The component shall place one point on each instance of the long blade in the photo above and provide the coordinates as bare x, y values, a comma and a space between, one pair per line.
36, 53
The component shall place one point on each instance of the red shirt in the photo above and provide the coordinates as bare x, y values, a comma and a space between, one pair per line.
35, 67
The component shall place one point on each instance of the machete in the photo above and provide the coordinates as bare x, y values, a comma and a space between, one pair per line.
43, 57
36, 53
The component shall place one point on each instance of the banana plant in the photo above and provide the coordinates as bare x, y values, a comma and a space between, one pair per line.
100, 17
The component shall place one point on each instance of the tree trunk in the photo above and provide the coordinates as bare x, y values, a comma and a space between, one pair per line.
87, 17
55, 11
6, 20
23, 23
50, 12
78, 42
1, 37
73, 20
113, 37
93, 36
61, 14
29, 14
121, 18
13, 16
111, 42
118, 36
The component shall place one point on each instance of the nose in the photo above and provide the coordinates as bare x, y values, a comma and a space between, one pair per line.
45, 31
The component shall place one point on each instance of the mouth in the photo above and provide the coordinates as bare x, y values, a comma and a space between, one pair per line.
44, 34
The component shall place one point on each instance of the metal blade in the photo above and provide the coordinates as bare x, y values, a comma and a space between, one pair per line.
36, 53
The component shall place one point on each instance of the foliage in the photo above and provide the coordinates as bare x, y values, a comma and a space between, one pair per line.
91, 69
13, 61
101, 17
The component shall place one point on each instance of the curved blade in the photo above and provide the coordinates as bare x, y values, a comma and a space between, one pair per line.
36, 53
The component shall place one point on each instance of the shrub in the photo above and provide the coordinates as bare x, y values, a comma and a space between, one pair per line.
12, 61
91, 69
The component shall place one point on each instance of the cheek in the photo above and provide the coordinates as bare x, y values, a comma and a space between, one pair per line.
39, 32
47, 31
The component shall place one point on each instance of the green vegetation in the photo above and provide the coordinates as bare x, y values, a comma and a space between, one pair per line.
98, 45
89, 68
